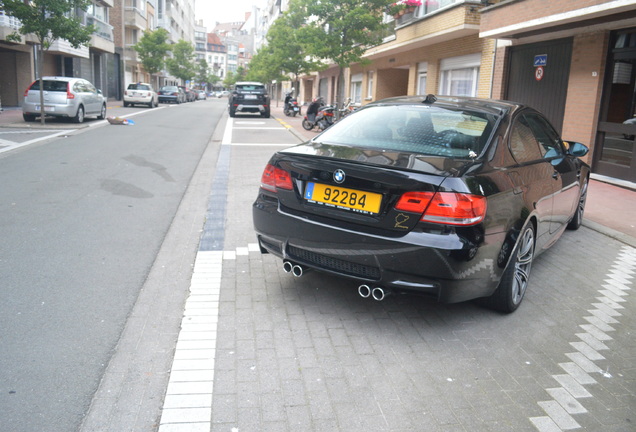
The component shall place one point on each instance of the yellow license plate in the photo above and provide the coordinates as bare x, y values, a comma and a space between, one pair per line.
343, 198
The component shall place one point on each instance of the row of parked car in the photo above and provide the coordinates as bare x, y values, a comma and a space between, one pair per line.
76, 98
142, 93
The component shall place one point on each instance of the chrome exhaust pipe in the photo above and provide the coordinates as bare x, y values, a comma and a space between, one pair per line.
379, 293
287, 266
364, 291
297, 270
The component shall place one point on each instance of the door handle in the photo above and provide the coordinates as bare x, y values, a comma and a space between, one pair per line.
555, 175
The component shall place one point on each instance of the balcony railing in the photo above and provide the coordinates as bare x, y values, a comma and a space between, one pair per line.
9, 21
103, 29
428, 7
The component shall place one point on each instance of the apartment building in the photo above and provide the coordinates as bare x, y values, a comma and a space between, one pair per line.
96, 62
572, 60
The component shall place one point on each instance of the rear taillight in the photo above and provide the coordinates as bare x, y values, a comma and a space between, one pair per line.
275, 178
450, 208
454, 208
26, 92
69, 95
414, 202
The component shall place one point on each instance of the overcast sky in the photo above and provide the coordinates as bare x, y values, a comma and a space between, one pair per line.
211, 11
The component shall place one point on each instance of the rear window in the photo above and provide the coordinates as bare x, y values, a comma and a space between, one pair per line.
250, 87
52, 86
138, 87
418, 129
171, 89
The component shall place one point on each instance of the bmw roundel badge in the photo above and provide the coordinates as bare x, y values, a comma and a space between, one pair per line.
338, 176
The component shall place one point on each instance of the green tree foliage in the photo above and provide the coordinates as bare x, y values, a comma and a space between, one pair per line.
152, 48
48, 20
230, 79
287, 55
338, 31
264, 67
203, 76
181, 64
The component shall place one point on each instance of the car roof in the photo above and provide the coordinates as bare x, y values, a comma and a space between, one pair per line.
493, 106
58, 78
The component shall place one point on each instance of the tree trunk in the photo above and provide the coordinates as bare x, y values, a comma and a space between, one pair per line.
39, 66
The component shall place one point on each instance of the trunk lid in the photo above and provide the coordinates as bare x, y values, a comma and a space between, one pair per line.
359, 187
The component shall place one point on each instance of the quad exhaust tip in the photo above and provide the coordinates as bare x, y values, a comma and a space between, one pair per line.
377, 293
364, 291
295, 269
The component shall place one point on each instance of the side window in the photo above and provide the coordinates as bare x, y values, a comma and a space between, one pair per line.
89, 87
549, 140
78, 87
523, 144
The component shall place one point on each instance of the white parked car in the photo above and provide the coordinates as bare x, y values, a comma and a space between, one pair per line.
142, 94
69, 97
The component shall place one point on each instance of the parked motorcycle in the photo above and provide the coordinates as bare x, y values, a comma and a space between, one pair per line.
291, 107
319, 115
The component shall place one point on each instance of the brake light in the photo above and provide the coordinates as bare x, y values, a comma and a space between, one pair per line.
454, 208
26, 92
414, 202
69, 95
275, 178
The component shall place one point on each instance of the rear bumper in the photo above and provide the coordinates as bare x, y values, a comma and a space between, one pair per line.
138, 100
251, 108
49, 109
444, 266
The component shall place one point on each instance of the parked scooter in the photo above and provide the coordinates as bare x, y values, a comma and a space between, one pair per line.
318, 115
291, 107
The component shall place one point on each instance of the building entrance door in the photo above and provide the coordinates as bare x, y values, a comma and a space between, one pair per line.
616, 154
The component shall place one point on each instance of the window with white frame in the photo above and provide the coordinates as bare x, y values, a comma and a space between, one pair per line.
422, 71
356, 88
459, 76
370, 85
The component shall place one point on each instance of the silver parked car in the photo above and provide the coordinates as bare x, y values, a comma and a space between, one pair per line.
74, 98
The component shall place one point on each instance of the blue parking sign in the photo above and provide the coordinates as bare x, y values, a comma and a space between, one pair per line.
540, 60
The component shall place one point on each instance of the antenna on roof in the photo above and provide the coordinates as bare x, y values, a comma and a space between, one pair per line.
430, 99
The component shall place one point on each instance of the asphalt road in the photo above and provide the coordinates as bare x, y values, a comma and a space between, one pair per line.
82, 218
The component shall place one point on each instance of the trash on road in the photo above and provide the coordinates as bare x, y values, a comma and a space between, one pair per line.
120, 121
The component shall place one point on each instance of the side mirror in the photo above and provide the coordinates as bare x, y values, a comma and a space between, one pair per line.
99, 91
576, 148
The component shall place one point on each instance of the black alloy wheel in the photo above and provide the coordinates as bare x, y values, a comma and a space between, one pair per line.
577, 218
514, 281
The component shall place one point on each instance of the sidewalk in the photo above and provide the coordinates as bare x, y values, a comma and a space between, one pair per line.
11, 117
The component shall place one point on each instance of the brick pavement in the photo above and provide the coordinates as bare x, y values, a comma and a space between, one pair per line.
309, 354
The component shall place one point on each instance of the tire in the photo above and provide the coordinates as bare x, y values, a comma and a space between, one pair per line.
577, 218
307, 125
266, 114
28, 117
514, 281
79, 117
102, 113
232, 113
151, 104
126, 104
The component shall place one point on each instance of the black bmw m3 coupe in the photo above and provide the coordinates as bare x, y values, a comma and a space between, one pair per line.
447, 197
